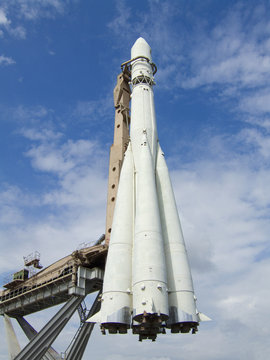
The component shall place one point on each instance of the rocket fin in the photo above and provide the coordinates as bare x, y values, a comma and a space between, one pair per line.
96, 318
204, 317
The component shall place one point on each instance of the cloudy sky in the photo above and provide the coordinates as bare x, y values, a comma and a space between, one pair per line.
58, 65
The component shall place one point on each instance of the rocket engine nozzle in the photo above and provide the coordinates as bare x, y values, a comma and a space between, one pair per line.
114, 328
148, 326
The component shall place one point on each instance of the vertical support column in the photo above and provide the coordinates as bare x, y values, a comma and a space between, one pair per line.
121, 137
39, 345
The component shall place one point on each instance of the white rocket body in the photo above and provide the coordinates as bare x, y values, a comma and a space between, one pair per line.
116, 298
148, 284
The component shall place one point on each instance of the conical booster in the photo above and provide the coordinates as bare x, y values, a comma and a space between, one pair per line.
182, 306
116, 301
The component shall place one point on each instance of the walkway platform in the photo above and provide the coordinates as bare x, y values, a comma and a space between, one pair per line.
80, 273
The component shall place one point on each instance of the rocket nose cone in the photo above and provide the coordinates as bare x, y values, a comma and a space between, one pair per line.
141, 48
141, 40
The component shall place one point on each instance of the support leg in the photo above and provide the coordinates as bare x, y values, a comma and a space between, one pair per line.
30, 332
39, 345
13, 343
79, 345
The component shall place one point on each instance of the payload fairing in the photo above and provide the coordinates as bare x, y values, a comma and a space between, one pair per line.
147, 284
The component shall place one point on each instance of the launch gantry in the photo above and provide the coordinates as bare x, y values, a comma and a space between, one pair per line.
68, 281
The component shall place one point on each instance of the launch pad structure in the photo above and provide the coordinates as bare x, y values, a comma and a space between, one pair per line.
69, 280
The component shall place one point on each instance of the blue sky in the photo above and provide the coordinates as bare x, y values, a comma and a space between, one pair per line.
58, 65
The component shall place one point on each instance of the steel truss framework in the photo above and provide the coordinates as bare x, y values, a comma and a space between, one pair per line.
40, 343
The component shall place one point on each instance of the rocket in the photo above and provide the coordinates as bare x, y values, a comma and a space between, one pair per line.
147, 282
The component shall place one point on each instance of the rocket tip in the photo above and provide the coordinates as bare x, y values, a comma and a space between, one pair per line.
141, 48
141, 40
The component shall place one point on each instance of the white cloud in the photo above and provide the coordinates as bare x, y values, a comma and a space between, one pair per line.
69, 209
94, 109
31, 115
27, 10
256, 103
10, 214
235, 50
50, 156
5, 60
43, 134
257, 139
245, 65
18, 32
3, 18
121, 20
34, 9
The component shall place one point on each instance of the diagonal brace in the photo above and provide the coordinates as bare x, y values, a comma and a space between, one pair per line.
81, 341
39, 345
30, 332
